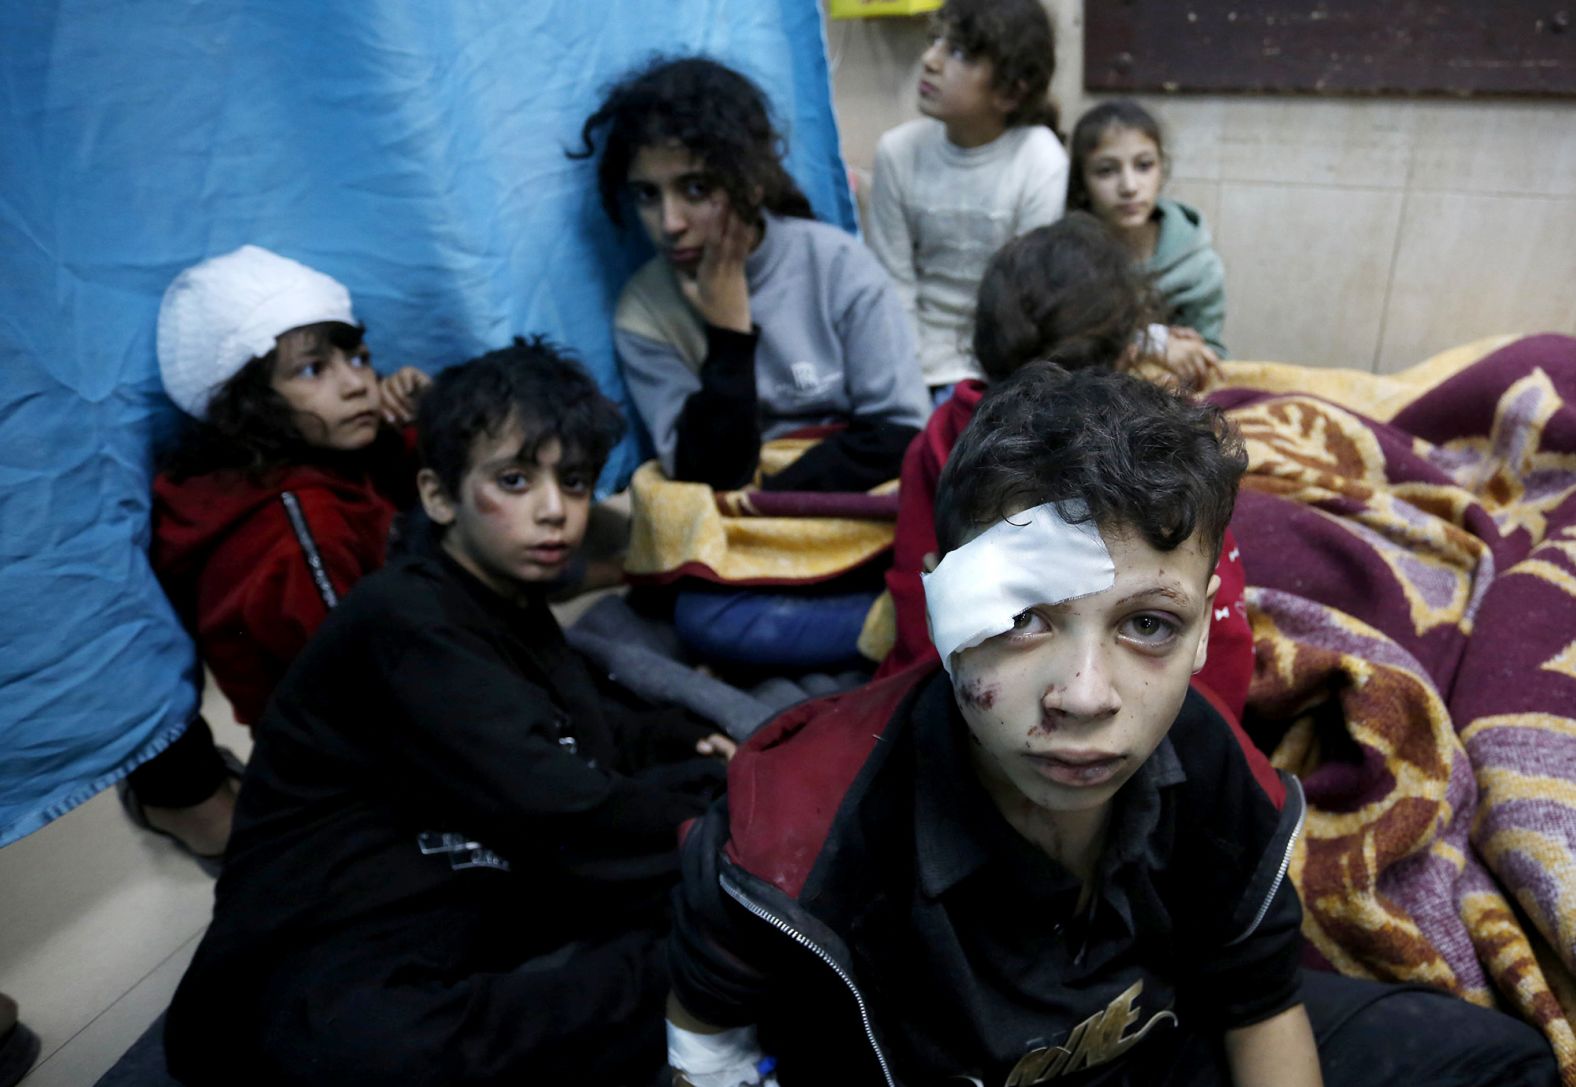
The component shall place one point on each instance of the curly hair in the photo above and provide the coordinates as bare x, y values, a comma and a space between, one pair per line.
531, 384
1017, 38
248, 428
1067, 292
712, 112
1091, 129
1138, 457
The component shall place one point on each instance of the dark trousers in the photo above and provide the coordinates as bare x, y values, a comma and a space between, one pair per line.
589, 1013
1376, 1035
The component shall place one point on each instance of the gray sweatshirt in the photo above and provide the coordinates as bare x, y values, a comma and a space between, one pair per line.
833, 340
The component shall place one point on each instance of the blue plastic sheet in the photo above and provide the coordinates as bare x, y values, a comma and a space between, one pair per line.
412, 150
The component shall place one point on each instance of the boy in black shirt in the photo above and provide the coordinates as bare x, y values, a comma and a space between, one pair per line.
454, 844
1049, 862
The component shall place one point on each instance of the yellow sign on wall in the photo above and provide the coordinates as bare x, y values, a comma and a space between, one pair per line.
863, 9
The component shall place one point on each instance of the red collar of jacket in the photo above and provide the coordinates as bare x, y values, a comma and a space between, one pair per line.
783, 797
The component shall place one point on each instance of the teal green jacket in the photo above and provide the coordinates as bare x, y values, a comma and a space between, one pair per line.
1187, 273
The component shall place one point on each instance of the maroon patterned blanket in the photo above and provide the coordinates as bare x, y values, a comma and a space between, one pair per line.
1410, 543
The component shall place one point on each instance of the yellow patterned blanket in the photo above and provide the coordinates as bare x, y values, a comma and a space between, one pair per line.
1410, 544
753, 537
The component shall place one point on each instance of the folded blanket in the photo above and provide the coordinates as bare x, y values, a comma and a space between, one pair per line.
1410, 542
753, 537
645, 657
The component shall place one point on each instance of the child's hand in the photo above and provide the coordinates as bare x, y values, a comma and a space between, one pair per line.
719, 291
1186, 365
1189, 359
718, 745
401, 392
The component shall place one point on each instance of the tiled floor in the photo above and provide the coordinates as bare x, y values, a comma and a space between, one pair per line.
100, 919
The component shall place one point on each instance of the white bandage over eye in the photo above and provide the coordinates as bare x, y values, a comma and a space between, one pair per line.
1031, 558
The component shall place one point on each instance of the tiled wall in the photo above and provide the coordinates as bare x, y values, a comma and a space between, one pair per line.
1367, 233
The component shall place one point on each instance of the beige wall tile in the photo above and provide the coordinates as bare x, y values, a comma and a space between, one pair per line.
1305, 271
874, 76
1472, 265
1203, 195
1192, 129
1324, 142
1495, 147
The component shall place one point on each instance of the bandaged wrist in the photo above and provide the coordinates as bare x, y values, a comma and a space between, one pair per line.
1153, 340
731, 1058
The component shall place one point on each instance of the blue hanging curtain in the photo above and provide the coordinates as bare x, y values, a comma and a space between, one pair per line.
413, 151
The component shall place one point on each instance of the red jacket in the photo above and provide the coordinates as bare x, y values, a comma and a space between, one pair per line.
253, 568
1229, 668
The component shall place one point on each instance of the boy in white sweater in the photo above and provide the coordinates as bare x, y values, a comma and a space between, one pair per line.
983, 166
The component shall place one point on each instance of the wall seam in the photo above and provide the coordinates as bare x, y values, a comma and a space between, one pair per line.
1395, 259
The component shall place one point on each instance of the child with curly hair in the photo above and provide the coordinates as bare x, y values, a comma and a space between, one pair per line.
1067, 293
753, 320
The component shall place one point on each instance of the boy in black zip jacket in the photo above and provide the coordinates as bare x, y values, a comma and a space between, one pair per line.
1049, 862
455, 842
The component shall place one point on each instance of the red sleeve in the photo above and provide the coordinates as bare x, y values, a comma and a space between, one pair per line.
916, 524
915, 538
1229, 668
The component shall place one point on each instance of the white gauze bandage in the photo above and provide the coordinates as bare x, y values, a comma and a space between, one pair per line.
1034, 557
730, 1058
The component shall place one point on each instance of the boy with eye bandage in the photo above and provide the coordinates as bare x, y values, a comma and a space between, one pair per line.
1047, 860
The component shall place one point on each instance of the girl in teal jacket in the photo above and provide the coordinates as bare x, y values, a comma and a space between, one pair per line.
1118, 169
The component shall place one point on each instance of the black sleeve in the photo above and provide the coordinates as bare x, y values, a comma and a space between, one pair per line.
714, 956
865, 453
471, 735
648, 734
1239, 913
719, 430
1248, 981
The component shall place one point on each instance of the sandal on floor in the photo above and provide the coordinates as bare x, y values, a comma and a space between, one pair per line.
210, 863
18, 1050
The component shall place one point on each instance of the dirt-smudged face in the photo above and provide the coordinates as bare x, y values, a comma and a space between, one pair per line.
1068, 704
516, 522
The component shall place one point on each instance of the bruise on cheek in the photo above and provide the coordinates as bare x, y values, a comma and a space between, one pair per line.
977, 693
486, 504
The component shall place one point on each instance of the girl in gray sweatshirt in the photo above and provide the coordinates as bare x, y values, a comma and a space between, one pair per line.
753, 320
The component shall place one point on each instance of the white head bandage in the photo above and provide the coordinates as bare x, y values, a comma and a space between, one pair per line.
219, 315
1033, 557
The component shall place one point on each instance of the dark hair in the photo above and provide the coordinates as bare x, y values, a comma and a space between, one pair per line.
1136, 455
1091, 129
1016, 37
248, 427
1067, 292
711, 111
531, 384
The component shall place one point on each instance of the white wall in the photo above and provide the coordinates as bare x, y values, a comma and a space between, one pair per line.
1367, 233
